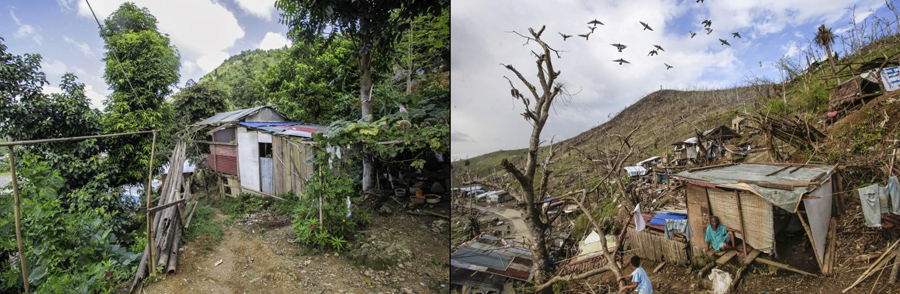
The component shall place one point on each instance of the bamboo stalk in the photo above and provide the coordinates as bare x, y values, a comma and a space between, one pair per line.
12, 165
148, 188
187, 224
811, 241
32, 142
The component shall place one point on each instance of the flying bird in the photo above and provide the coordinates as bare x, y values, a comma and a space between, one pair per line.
653, 52
659, 47
736, 34
564, 36
668, 66
592, 29
699, 1
620, 61
692, 34
619, 46
646, 26
706, 23
585, 36
595, 22
708, 31
724, 42
760, 64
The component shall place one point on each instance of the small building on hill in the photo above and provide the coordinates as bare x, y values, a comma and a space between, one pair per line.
256, 150
763, 201
740, 122
860, 87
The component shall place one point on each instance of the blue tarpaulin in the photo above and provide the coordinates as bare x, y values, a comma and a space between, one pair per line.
660, 218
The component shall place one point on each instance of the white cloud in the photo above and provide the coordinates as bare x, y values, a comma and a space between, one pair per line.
264, 9
189, 66
210, 61
84, 47
24, 30
601, 87
273, 40
54, 67
202, 30
95, 97
66, 5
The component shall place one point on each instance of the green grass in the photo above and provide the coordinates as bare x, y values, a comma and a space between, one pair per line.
203, 225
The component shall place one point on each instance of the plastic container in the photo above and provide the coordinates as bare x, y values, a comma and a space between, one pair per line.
419, 193
400, 192
416, 199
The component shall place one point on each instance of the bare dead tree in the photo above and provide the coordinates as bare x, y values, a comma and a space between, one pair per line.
537, 111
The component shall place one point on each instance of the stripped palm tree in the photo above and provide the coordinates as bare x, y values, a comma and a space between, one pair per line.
824, 39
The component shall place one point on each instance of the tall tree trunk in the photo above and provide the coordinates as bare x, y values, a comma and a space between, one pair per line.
831, 60
365, 103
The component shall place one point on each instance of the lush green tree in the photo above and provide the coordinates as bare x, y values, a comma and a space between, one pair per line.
371, 25
198, 101
141, 69
315, 81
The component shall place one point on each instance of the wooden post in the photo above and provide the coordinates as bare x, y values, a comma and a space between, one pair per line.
148, 188
321, 187
811, 241
12, 165
741, 216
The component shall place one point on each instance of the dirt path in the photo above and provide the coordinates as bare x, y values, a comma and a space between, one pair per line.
263, 258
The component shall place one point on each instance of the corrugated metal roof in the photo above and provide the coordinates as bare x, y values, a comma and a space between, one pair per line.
486, 255
231, 116
268, 124
292, 129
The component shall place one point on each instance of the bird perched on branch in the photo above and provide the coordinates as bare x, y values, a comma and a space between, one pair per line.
724, 42
708, 31
515, 93
706, 23
659, 48
620, 61
595, 22
736, 35
619, 46
585, 36
646, 26
692, 34
668, 66
564, 36
653, 52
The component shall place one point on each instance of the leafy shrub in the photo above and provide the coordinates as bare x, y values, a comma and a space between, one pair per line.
338, 227
69, 245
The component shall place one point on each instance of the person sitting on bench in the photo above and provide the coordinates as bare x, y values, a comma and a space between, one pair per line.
718, 236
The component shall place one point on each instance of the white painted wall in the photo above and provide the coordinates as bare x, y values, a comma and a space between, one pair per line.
264, 138
248, 158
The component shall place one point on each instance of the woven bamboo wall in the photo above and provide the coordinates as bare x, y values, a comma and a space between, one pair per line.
654, 246
757, 213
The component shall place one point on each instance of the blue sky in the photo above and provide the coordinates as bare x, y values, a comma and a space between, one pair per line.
484, 117
205, 32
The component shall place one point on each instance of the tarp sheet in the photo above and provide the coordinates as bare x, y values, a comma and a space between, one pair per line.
660, 218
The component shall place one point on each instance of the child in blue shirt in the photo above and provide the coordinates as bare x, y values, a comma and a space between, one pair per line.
638, 277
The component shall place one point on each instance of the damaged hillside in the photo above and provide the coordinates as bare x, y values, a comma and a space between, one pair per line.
804, 172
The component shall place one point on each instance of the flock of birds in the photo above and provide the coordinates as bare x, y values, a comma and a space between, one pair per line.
707, 25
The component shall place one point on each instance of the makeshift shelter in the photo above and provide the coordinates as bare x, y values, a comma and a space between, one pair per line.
859, 87
686, 150
720, 134
651, 243
258, 151
748, 197
485, 263
738, 123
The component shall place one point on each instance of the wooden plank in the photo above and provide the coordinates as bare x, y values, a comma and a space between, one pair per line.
725, 258
811, 241
782, 266
779, 170
750, 257
816, 179
768, 185
741, 217
658, 267
698, 213
868, 271
164, 206
796, 168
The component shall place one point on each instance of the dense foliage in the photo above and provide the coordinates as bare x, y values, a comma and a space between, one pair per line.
242, 76
198, 101
71, 241
339, 222
315, 82
141, 69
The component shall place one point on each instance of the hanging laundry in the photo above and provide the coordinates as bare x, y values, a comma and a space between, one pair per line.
680, 225
639, 223
870, 200
893, 189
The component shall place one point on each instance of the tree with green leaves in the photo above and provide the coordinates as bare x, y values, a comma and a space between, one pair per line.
141, 70
314, 82
197, 101
373, 26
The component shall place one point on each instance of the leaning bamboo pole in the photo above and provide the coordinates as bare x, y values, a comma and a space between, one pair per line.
148, 188
12, 165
